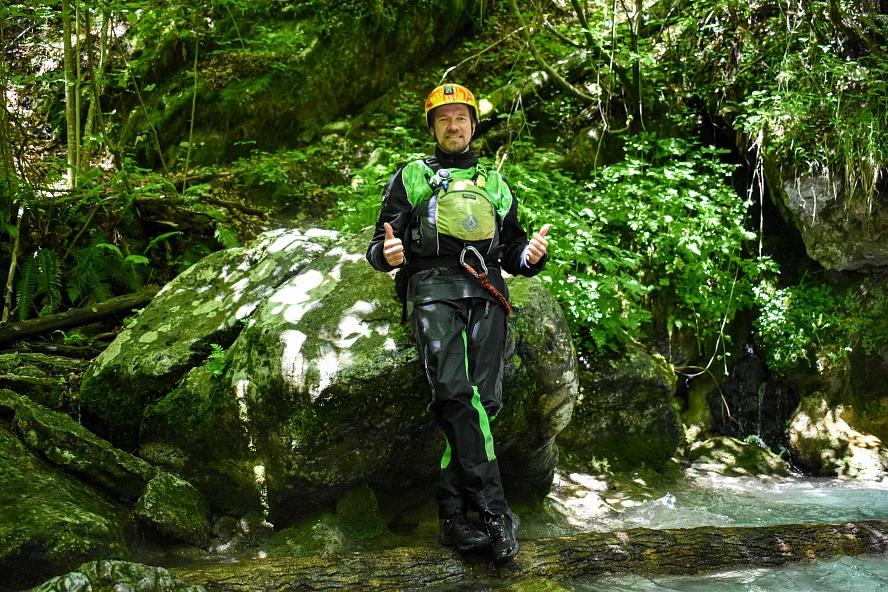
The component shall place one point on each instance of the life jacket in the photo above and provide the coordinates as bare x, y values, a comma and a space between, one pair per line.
457, 213
453, 213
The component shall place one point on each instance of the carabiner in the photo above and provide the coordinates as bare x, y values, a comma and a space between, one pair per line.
462, 260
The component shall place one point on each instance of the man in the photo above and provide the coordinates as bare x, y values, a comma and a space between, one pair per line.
452, 223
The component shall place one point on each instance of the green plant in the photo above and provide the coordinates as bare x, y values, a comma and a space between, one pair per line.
666, 220
819, 325
39, 285
216, 362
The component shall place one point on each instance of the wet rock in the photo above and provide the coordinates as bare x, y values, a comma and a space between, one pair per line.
74, 449
752, 402
735, 458
323, 390
825, 441
117, 576
49, 522
206, 304
174, 508
624, 412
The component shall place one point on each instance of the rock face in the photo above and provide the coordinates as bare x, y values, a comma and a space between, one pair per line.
37, 376
49, 522
323, 390
840, 233
624, 412
300, 67
752, 402
175, 332
825, 441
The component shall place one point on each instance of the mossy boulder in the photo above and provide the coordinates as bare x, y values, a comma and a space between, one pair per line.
174, 508
624, 412
206, 304
50, 523
732, 457
840, 231
825, 440
117, 576
323, 390
42, 378
75, 450
356, 526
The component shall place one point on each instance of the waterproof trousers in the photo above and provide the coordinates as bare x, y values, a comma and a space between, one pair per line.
462, 344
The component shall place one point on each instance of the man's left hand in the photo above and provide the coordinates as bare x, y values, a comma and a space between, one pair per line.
538, 245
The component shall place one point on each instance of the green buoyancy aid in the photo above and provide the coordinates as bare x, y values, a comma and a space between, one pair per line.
466, 211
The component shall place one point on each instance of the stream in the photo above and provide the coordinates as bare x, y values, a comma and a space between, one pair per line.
709, 499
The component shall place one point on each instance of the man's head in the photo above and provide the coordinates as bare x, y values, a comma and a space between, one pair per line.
452, 114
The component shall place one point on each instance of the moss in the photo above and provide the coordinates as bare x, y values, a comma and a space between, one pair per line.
50, 523
173, 507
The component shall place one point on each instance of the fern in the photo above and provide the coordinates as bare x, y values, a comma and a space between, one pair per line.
85, 281
26, 289
49, 281
121, 272
226, 237
160, 238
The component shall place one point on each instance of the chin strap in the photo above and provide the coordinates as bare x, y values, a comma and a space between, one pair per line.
483, 276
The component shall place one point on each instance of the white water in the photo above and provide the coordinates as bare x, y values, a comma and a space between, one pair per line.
714, 500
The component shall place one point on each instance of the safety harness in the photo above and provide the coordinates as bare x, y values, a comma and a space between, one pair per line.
440, 179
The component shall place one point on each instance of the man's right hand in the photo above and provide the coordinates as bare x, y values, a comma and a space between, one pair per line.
392, 248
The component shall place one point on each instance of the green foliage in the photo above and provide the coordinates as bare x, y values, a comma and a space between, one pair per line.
818, 325
39, 285
226, 237
216, 362
666, 220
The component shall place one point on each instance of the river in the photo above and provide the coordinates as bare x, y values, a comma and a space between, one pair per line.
708, 499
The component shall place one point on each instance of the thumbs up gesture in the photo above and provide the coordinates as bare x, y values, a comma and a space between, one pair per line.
538, 245
392, 248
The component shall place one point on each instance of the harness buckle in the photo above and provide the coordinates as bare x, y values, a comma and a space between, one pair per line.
462, 260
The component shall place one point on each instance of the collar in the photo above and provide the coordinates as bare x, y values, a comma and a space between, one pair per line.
463, 160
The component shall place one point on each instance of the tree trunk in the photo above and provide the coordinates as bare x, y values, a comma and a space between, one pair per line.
70, 97
77, 317
639, 550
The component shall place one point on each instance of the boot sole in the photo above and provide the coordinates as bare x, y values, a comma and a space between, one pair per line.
450, 542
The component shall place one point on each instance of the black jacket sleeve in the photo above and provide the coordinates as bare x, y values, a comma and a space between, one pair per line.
514, 240
396, 211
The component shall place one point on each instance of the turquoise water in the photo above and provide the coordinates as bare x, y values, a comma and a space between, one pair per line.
713, 500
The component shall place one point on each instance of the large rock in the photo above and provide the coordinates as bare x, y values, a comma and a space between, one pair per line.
624, 412
117, 576
729, 456
174, 508
324, 390
206, 304
841, 232
74, 449
825, 441
50, 523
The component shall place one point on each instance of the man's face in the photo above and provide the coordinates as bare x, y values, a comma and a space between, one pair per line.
453, 128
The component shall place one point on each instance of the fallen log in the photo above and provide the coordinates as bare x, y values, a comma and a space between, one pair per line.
640, 550
76, 317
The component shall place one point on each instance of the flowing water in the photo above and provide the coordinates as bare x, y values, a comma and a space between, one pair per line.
715, 500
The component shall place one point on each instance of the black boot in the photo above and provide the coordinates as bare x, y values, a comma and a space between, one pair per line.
458, 530
502, 529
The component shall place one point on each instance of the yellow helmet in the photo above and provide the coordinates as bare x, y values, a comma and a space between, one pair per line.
450, 94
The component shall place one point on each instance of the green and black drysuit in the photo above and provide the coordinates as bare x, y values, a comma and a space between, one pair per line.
460, 326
